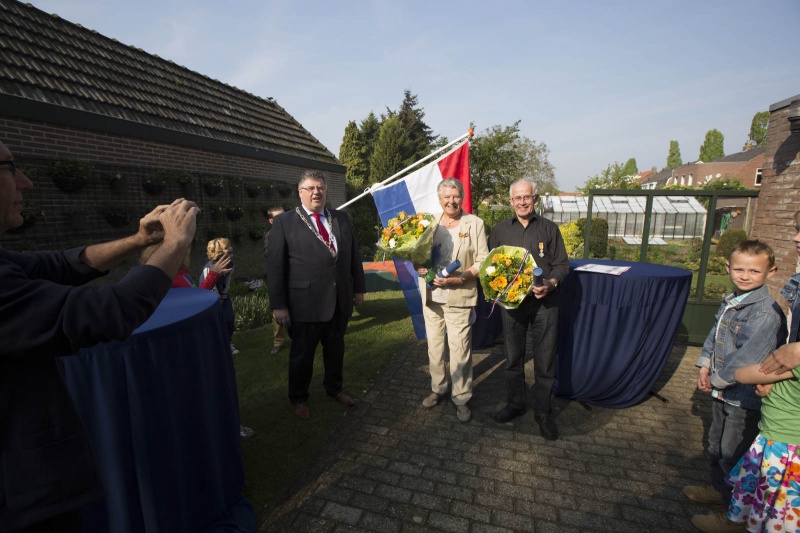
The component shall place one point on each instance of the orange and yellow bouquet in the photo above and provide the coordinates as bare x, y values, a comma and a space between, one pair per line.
506, 275
409, 237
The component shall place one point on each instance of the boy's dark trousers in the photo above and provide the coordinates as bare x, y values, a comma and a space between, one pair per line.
733, 429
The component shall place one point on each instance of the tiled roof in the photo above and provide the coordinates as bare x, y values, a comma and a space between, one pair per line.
741, 157
48, 59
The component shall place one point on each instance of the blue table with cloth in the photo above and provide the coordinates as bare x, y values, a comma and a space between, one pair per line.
617, 332
162, 412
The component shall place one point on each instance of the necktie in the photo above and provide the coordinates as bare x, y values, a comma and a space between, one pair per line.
322, 231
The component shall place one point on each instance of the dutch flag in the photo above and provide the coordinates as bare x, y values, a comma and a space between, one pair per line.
416, 193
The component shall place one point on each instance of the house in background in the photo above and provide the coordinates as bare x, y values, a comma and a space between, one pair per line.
69, 92
731, 213
745, 166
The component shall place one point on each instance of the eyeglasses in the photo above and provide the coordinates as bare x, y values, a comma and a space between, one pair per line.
313, 189
13, 166
518, 199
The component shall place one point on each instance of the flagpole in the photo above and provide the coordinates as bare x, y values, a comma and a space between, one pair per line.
412, 165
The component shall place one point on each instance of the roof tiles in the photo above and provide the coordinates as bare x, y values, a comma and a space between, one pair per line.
48, 59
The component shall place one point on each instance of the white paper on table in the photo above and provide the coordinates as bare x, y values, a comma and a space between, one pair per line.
603, 269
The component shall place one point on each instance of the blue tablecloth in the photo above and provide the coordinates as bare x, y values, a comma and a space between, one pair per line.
616, 332
162, 411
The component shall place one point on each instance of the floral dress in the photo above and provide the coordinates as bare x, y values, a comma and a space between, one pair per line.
766, 481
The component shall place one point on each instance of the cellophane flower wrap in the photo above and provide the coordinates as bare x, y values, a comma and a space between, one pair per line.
504, 278
409, 237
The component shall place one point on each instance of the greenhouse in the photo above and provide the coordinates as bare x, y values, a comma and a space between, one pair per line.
673, 218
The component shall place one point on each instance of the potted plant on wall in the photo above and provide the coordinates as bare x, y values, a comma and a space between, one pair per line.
117, 181
70, 175
213, 185
156, 182
186, 182
234, 212
253, 189
117, 216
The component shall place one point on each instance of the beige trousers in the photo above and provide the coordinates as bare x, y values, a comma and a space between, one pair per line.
454, 323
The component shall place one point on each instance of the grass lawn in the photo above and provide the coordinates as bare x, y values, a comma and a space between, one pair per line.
283, 444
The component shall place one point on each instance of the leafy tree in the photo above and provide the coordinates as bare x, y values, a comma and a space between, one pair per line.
758, 129
392, 150
535, 165
712, 146
352, 154
613, 177
731, 184
630, 168
495, 162
674, 157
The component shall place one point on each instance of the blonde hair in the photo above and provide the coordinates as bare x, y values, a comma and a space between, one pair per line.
216, 248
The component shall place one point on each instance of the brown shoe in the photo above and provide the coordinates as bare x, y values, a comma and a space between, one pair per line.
344, 399
703, 494
275, 350
301, 410
432, 400
717, 522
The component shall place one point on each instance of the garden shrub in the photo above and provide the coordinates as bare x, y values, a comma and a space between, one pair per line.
598, 236
492, 216
728, 242
716, 265
573, 238
252, 310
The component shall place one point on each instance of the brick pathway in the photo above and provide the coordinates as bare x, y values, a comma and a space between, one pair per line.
394, 466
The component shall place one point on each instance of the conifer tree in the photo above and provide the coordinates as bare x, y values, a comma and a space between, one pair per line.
674, 156
630, 168
712, 147
352, 154
391, 150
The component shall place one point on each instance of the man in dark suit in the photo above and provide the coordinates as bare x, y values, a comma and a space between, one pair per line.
314, 277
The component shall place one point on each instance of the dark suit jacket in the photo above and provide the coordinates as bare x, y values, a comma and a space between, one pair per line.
303, 276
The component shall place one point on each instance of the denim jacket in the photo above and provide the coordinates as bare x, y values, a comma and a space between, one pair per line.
790, 291
743, 334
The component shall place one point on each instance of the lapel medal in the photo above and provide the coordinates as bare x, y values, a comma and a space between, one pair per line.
541, 249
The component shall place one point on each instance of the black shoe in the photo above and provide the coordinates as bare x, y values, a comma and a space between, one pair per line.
547, 426
508, 413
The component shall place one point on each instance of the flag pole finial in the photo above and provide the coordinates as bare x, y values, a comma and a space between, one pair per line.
471, 133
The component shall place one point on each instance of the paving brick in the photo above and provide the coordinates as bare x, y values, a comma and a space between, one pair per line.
341, 513
396, 467
448, 522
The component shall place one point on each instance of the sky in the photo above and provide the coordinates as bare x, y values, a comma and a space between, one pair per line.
598, 82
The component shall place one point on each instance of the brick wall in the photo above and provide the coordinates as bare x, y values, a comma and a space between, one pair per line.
36, 144
779, 199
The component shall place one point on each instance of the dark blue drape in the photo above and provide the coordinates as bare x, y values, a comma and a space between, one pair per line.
162, 411
616, 332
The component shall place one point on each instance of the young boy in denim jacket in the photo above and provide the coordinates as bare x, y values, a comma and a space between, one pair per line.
749, 326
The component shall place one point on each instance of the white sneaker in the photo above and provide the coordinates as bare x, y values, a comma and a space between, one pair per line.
234, 351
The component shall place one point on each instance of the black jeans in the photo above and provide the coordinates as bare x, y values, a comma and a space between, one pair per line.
305, 338
540, 317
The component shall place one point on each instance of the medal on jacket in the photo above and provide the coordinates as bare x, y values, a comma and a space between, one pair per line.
329, 242
541, 249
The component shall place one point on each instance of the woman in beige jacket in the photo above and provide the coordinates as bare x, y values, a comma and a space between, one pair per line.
448, 304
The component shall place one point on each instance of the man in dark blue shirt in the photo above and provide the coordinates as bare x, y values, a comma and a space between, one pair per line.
538, 312
47, 470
